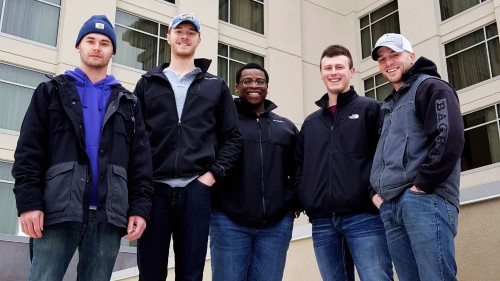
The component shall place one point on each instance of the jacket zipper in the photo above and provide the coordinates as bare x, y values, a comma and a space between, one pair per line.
332, 129
261, 167
179, 132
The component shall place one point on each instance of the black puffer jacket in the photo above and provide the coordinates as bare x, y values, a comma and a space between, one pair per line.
259, 190
335, 156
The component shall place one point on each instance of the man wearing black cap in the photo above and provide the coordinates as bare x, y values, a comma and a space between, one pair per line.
191, 120
416, 168
83, 173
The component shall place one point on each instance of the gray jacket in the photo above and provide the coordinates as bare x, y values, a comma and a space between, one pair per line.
404, 146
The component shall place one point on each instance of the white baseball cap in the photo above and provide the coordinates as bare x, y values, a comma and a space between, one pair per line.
396, 42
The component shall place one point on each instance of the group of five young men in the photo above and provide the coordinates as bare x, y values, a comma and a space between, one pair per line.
180, 159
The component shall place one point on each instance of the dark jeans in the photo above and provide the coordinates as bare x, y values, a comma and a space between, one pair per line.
97, 243
184, 214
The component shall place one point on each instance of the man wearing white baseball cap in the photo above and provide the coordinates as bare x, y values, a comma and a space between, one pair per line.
416, 168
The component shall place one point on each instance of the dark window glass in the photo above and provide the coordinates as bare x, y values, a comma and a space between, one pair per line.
449, 8
480, 51
376, 24
248, 14
482, 140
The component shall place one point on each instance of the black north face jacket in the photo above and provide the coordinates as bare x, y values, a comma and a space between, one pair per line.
335, 156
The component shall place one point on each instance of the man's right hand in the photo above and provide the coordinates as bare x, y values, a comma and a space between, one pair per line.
32, 223
377, 200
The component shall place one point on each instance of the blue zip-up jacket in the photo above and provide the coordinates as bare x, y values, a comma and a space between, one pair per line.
422, 137
94, 98
260, 189
205, 139
335, 156
51, 167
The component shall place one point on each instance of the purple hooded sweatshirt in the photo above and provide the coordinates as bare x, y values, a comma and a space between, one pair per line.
94, 99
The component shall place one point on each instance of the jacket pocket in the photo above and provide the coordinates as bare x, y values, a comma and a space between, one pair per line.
58, 185
117, 201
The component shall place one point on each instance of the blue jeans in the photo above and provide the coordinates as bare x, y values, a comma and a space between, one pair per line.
98, 244
242, 253
184, 214
420, 231
336, 238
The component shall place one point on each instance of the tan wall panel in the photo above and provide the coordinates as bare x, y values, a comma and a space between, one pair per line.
478, 241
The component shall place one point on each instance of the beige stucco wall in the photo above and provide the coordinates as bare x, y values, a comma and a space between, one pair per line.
478, 241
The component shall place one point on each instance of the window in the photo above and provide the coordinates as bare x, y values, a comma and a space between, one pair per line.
480, 51
449, 8
376, 24
35, 20
170, 1
141, 43
16, 88
230, 59
248, 14
8, 211
377, 87
482, 139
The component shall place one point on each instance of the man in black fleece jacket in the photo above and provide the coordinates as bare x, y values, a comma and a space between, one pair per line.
416, 169
334, 152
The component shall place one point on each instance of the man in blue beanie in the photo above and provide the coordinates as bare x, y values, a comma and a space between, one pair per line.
82, 170
97, 24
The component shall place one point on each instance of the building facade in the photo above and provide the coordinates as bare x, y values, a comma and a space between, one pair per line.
37, 38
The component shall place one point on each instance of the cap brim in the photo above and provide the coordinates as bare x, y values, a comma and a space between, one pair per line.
183, 21
392, 47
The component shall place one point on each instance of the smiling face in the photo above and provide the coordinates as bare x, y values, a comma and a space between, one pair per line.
253, 94
393, 65
183, 40
95, 51
336, 74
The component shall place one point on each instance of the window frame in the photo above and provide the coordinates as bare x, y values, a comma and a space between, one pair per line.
443, 18
27, 40
230, 82
496, 121
158, 37
376, 87
30, 87
369, 25
486, 52
229, 21
10, 181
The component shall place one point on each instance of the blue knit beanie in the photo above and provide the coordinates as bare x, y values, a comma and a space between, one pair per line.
97, 24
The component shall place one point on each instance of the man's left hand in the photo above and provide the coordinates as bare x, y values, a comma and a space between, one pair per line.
136, 226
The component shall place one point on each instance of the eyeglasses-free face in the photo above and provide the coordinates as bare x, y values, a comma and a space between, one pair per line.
259, 82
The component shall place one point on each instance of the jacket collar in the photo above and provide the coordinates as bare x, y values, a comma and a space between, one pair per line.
203, 64
244, 109
342, 99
